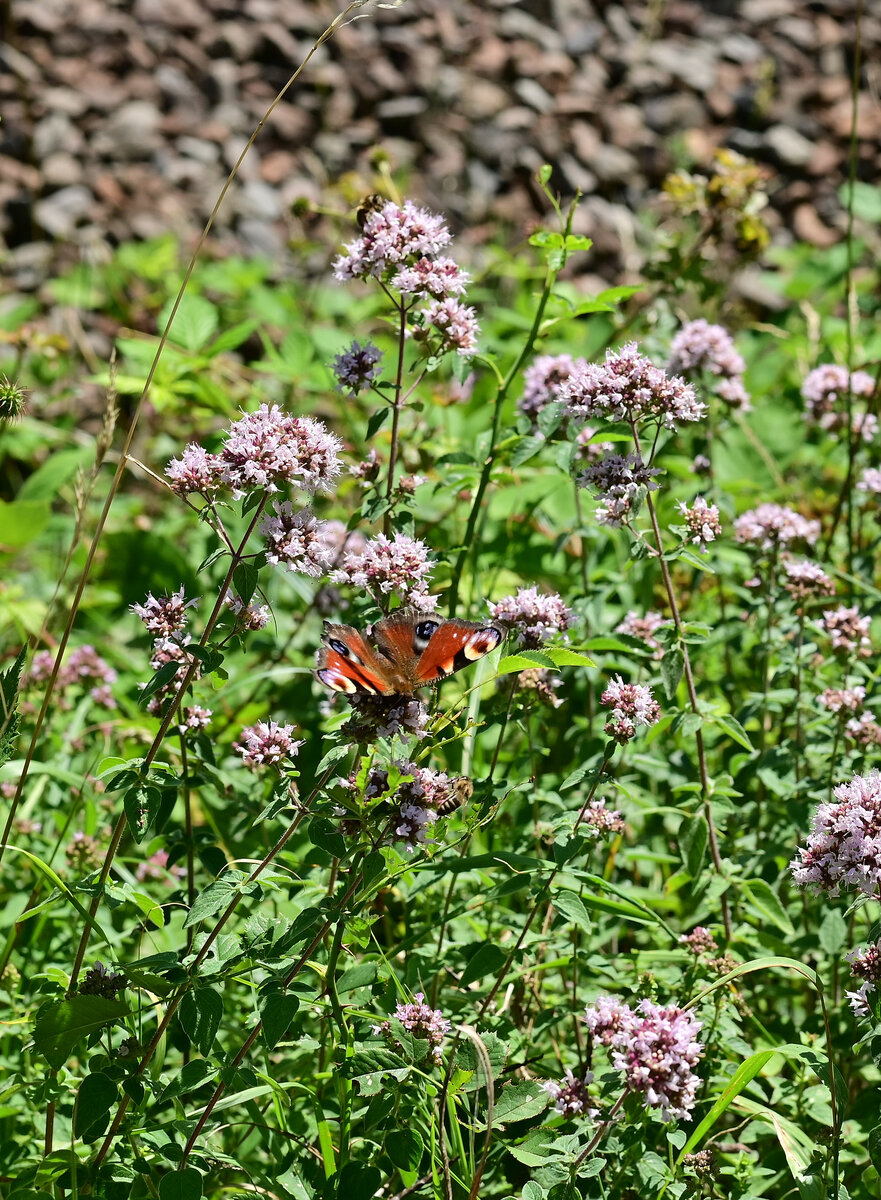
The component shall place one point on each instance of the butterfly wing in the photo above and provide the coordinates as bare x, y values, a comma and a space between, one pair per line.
451, 645
346, 663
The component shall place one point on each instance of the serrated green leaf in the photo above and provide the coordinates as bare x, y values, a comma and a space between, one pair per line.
209, 901
200, 1014
63, 1024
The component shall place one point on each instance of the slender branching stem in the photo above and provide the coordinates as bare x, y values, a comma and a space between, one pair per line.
706, 790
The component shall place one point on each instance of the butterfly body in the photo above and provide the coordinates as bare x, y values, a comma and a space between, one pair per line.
401, 653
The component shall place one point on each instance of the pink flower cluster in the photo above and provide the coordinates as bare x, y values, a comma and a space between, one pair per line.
701, 522
165, 616
249, 617
571, 1097
386, 717
267, 449
771, 526
266, 744
828, 385
619, 475
632, 705
297, 541
656, 1048
699, 941
82, 667
542, 379
418, 800
838, 700
399, 246
629, 387
865, 965
393, 237
848, 631
598, 821
806, 580
700, 346
844, 846
864, 730
424, 1023
384, 565
644, 628
535, 616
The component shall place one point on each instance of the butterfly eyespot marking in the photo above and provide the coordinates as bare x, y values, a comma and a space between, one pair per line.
342, 649
423, 633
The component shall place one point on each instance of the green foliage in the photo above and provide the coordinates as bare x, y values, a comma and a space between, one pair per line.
272, 923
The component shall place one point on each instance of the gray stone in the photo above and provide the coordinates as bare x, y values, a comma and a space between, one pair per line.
534, 95
55, 133
613, 164
60, 213
693, 64
739, 48
789, 146
130, 133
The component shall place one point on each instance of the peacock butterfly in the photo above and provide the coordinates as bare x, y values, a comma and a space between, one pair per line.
404, 651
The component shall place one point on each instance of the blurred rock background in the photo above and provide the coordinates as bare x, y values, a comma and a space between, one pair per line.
121, 118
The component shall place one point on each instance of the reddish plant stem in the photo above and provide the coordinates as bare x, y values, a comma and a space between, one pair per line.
692, 697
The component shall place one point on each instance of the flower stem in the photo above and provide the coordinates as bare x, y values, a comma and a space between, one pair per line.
692, 699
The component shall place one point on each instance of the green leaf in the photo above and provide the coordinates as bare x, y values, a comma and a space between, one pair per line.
141, 804
525, 660
767, 902
209, 901
334, 755
562, 656
360, 975
97, 1093
832, 933
21, 521
376, 422
244, 580
693, 837
277, 1010
485, 961
672, 666
190, 1077
46, 482
405, 1148
734, 729
158, 680
527, 448
194, 322
9, 717
571, 906
519, 1102
62, 1024
200, 1014
875, 1147
181, 1185
356, 1181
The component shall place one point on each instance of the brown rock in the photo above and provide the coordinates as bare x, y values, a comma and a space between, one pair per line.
809, 228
